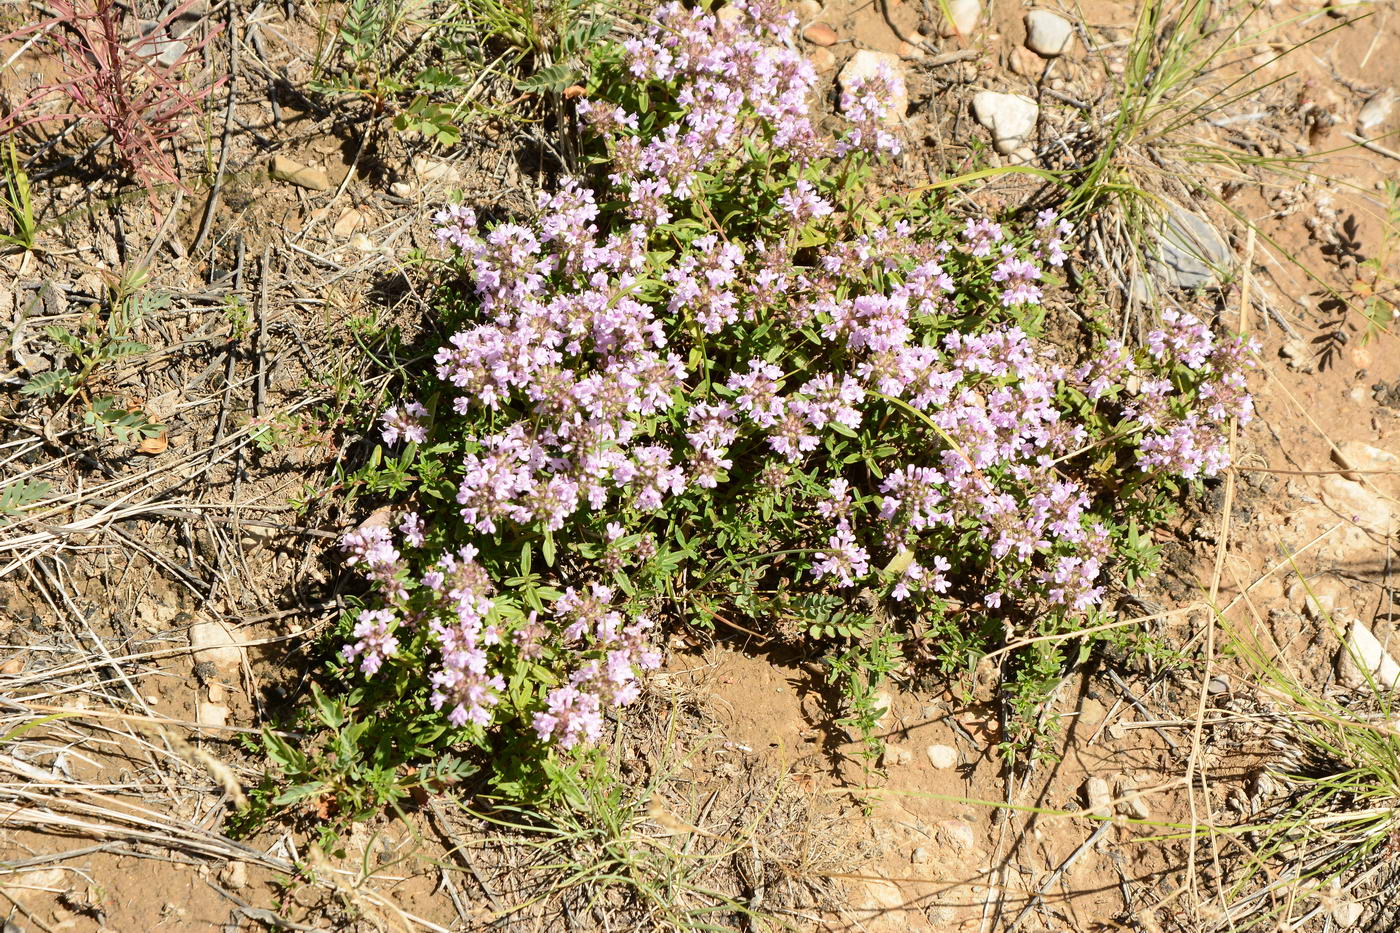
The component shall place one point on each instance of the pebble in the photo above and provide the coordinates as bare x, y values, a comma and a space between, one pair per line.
1098, 797
12, 666
438, 170
866, 64
347, 223
1355, 455
215, 644
1024, 62
820, 34
896, 755
920, 856
1218, 684
823, 60
1011, 118
1189, 250
942, 756
1354, 502
1347, 914
1298, 355
1133, 804
808, 10
1048, 34
957, 835
294, 173
212, 714
1317, 598
235, 875
401, 189
1363, 655
962, 17
1376, 110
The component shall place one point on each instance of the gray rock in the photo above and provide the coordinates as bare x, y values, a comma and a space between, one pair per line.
1011, 118
1188, 250
1048, 34
865, 64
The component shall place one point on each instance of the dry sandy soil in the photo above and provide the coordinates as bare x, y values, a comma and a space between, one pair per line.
120, 749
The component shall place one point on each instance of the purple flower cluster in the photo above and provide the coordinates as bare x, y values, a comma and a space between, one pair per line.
608, 679
626, 354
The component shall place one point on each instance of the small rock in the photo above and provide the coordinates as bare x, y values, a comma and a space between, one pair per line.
1098, 798
1189, 250
1347, 914
347, 223
1371, 465
401, 189
864, 65
1298, 355
920, 856
962, 17
1319, 597
436, 170
896, 755
1011, 118
957, 835
217, 692
823, 60
942, 756
1342, 7
821, 34
1354, 502
235, 875
363, 243
1024, 62
1217, 685
1021, 155
881, 706
11, 666
808, 10
1376, 110
214, 715
1048, 34
1363, 655
215, 644
294, 173
1133, 804
912, 49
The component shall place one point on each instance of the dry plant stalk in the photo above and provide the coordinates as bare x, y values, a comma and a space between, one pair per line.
115, 82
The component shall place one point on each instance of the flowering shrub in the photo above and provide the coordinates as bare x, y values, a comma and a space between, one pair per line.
716, 380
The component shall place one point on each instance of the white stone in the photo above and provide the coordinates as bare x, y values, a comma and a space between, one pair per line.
215, 643
212, 714
1355, 503
1048, 34
1318, 597
1098, 797
1011, 118
942, 756
1376, 110
1132, 804
1364, 464
1347, 914
1363, 651
962, 17
957, 835
896, 755
864, 65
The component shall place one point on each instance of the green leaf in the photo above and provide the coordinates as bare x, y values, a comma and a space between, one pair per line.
299, 792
